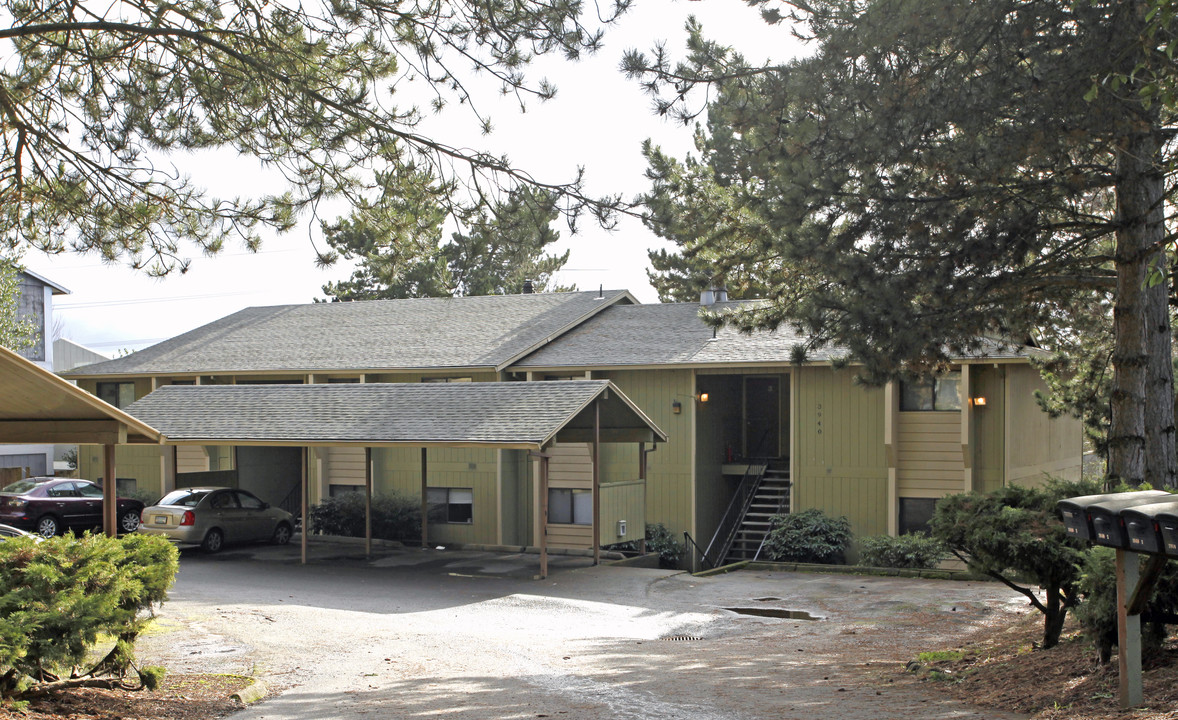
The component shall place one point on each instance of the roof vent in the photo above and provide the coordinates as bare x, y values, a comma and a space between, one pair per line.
707, 298
721, 295
529, 288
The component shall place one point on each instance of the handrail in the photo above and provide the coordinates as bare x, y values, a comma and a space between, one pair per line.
741, 500
293, 501
780, 503
694, 544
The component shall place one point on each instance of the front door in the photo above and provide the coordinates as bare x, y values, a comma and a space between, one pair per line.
762, 416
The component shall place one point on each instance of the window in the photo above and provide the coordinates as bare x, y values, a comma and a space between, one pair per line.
570, 507
118, 394
915, 514
445, 379
248, 501
450, 505
940, 393
336, 490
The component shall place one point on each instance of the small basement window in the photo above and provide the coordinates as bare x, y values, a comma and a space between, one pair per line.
450, 505
915, 514
933, 394
570, 507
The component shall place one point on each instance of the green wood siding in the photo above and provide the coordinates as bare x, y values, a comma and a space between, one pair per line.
989, 427
839, 463
623, 501
718, 427
139, 462
1039, 445
398, 470
669, 481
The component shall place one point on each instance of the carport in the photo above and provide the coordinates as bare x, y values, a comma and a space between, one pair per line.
37, 406
527, 416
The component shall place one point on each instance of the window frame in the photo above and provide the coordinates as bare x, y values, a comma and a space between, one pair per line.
118, 386
573, 506
935, 387
449, 508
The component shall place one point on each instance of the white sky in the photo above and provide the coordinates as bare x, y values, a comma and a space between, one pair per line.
598, 119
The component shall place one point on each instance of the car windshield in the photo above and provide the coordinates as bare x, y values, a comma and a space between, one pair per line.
20, 487
184, 498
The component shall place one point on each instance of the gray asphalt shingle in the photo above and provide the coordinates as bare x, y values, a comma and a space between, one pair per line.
486, 331
674, 334
439, 413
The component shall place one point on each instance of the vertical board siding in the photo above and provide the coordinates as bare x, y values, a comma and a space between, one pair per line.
669, 479
1039, 445
989, 427
929, 463
623, 501
398, 470
839, 447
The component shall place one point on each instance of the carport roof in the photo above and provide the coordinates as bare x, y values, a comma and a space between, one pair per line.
523, 415
37, 406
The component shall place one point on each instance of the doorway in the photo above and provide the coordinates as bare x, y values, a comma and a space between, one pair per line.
762, 416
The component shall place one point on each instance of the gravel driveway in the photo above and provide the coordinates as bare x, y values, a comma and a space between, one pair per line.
469, 635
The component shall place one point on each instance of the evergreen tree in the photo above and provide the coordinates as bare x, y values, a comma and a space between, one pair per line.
102, 104
16, 332
400, 255
938, 172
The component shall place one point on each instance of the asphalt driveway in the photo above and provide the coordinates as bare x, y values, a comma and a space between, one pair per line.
412, 633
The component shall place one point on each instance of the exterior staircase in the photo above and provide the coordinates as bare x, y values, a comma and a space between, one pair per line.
771, 498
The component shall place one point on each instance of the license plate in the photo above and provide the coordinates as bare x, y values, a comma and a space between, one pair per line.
161, 519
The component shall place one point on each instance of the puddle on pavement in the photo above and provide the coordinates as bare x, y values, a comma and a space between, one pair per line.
767, 599
774, 613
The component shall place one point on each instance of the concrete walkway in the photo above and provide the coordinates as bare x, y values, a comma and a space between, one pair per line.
469, 635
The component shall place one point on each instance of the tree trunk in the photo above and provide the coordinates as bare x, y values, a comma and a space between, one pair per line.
1054, 616
1161, 462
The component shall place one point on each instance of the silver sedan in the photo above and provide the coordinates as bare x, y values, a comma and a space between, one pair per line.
212, 516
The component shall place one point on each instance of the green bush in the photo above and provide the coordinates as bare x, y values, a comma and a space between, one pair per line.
809, 536
394, 517
915, 550
662, 541
1098, 613
1014, 535
58, 596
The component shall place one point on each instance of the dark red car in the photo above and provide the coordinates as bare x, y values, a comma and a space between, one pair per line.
49, 506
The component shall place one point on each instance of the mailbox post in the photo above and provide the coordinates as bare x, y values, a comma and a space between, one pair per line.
1145, 521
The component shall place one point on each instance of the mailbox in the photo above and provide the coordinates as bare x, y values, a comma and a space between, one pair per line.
1090, 516
1144, 523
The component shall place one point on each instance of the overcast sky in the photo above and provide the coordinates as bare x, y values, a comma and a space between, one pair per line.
598, 119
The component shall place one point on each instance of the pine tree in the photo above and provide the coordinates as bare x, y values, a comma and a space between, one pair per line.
938, 172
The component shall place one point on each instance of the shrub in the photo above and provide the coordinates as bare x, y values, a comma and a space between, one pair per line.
1098, 613
58, 596
915, 550
1014, 533
394, 517
662, 541
809, 536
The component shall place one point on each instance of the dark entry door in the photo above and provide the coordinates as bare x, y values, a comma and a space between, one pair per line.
762, 416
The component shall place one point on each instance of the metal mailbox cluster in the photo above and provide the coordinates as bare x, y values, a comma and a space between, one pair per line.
1145, 521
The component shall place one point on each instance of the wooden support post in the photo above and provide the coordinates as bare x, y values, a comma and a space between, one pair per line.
543, 516
1128, 632
110, 495
303, 488
596, 482
424, 502
368, 501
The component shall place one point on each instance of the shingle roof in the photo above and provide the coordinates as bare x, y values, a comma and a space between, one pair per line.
487, 331
674, 334
499, 414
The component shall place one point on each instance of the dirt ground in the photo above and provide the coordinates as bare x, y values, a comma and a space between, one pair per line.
725, 665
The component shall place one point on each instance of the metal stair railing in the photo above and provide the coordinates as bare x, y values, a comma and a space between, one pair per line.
737, 508
780, 504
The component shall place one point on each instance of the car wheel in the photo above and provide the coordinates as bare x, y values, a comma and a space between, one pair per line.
213, 542
48, 526
282, 534
129, 521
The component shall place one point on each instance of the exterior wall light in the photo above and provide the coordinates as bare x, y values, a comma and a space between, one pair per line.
676, 407
978, 401
703, 397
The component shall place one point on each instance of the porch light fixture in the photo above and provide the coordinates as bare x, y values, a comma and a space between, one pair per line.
978, 401
702, 397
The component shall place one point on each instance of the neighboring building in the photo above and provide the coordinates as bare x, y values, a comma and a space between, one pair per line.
732, 405
36, 303
68, 355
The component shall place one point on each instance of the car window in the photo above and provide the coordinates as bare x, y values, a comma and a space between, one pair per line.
224, 500
20, 487
89, 490
184, 498
62, 490
249, 501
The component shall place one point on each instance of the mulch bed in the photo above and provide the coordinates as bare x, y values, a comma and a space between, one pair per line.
181, 697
